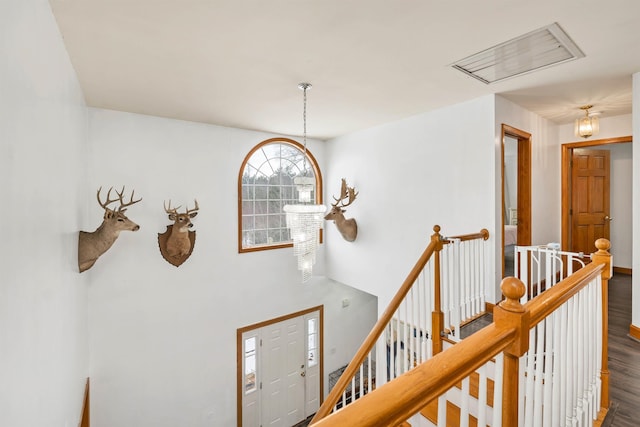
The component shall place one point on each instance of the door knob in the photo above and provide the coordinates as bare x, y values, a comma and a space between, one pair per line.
607, 218
303, 373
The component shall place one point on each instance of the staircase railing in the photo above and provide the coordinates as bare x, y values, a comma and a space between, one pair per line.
410, 330
568, 375
541, 267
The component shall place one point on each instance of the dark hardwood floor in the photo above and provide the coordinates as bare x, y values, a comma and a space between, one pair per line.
624, 357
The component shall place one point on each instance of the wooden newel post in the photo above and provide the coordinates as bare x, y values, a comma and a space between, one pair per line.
510, 314
437, 317
602, 256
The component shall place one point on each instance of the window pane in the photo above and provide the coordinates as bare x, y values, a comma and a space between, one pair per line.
275, 206
260, 237
276, 221
248, 239
247, 192
275, 236
247, 207
313, 358
248, 222
250, 364
260, 207
267, 185
262, 191
312, 341
261, 222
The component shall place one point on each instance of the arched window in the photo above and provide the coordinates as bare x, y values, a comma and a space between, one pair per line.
265, 185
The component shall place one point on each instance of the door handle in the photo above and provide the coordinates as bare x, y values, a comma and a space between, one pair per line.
608, 218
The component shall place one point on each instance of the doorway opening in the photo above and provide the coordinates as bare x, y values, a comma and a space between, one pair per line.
516, 194
280, 369
580, 227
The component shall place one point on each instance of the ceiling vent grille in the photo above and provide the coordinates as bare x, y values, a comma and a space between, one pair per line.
541, 48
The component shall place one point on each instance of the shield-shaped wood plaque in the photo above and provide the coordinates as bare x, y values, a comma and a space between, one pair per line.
175, 257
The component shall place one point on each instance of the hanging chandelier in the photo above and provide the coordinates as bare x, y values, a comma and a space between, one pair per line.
587, 125
305, 218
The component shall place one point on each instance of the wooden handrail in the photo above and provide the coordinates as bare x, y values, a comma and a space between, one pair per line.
435, 246
342, 383
395, 401
84, 416
551, 299
483, 234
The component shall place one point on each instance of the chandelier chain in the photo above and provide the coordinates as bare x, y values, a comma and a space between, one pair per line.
304, 87
304, 130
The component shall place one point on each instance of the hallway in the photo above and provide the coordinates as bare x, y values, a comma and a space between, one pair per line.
624, 357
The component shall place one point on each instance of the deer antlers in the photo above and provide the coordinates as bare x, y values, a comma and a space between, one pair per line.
345, 192
174, 211
120, 194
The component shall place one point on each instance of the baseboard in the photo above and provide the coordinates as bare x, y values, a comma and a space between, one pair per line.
634, 332
622, 270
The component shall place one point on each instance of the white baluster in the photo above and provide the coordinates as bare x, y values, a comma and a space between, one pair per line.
464, 403
442, 411
482, 395
498, 376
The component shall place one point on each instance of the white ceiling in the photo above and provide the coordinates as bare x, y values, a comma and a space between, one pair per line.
238, 62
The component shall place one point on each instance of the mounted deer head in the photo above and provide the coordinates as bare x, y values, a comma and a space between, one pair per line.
176, 244
347, 227
93, 244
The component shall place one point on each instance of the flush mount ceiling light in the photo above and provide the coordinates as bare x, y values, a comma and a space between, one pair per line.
541, 48
304, 219
588, 125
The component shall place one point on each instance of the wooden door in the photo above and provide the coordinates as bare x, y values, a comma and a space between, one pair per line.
589, 213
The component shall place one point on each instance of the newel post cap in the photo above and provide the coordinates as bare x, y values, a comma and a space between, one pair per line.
513, 289
603, 256
510, 314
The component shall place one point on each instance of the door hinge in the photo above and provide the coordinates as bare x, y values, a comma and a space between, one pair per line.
260, 385
260, 342
570, 211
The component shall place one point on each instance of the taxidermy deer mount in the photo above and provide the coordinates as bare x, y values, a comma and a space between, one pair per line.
92, 245
347, 227
176, 244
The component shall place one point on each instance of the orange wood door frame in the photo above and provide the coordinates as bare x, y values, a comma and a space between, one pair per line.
524, 185
567, 154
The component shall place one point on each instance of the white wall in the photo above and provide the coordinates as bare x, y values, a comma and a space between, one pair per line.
621, 204
545, 173
411, 175
163, 339
545, 168
43, 299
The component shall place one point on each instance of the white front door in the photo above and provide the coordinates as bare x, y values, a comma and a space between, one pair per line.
283, 373
281, 366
